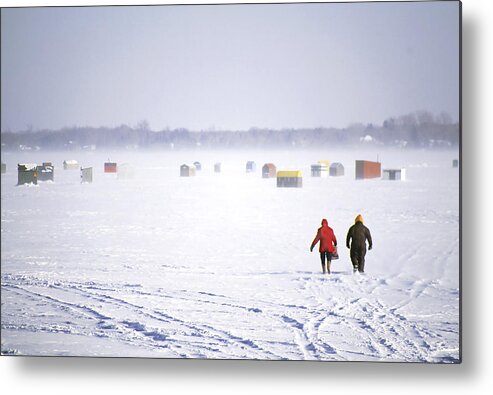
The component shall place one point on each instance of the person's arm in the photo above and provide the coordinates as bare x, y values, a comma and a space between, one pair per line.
334, 240
349, 236
315, 240
368, 237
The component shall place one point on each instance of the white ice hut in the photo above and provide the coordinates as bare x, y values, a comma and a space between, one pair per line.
320, 169
125, 171
336, 169
86, 175
250, 166
187, 170
70, 165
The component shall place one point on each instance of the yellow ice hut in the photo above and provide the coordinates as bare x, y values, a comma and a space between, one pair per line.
289, 179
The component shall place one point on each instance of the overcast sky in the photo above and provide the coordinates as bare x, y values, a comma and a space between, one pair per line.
227, 66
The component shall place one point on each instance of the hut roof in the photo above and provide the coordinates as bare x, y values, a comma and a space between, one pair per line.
289, 173
70, 162
366, 161
28, 166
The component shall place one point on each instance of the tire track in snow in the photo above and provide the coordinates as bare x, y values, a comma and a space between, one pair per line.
220, 336
115, 330
201, 336
405, 331
383, 332
390, 334
207, 337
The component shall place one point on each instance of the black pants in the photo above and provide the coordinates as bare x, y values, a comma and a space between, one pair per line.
358, 259
327, 255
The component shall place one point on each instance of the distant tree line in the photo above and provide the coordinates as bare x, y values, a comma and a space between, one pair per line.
415, 130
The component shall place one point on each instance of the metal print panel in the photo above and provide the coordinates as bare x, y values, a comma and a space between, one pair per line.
188, 249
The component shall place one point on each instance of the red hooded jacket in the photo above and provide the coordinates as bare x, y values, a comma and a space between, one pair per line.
327, 238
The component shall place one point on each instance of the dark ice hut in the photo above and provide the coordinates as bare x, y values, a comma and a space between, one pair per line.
336, 169
187, 170
250, 166
46, 172
367, 169
4, 168
86, 175
198, 166
289, 179
217, 167
455, 163
394, 174
27, 173
269, 170
110, 167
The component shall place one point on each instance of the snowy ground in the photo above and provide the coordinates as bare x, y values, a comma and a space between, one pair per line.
218, 265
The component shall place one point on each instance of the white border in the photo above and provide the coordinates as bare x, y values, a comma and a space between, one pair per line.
128, 376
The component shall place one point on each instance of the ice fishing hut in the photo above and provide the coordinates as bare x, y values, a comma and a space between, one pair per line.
70, 165
367, 169
269, 170
320, 170
187, 170
125, 171
4, 168
217, 167
86, 175
336, 169
394, 174
46, 172
110, 167
27, 173
198, 166
250, 166
289, 179
455, 163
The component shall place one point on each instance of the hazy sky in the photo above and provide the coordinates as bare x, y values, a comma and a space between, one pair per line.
227, 66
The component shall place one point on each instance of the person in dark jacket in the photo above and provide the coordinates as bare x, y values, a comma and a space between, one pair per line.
328, 242
356, 239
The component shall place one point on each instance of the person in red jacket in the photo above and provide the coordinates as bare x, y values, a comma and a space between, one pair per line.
328, 242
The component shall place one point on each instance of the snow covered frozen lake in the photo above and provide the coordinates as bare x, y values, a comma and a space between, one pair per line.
218, 265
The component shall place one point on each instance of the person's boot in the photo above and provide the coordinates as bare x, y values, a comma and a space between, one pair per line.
328, 267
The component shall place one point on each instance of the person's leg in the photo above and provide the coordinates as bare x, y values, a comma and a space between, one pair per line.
322, 259
354, 261
329, 261
361, 267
